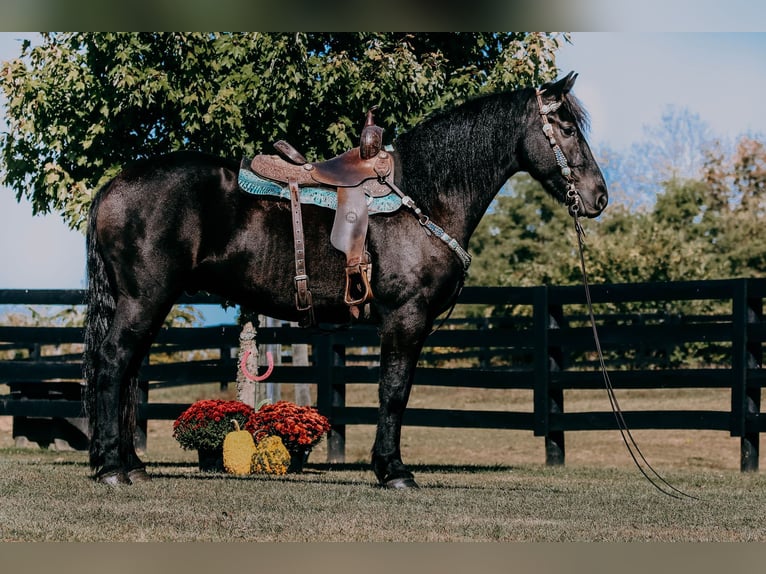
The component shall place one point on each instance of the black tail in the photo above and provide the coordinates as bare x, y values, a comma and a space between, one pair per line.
100, 312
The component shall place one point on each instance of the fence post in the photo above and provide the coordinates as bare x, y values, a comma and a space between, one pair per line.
331, 393
746, 354
554, 441
546, 400
300, 356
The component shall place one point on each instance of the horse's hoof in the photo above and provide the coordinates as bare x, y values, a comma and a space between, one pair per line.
139, 475
401, 483
113, 478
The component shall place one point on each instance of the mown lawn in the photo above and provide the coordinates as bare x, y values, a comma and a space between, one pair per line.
477, 485
47, 497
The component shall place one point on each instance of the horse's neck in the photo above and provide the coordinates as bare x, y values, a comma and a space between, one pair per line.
456, 168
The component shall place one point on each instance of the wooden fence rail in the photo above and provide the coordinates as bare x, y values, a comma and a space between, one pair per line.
684, 335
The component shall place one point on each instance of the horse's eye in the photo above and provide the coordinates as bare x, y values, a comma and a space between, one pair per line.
568, 131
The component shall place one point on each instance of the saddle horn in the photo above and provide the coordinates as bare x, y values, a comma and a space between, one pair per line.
371, 140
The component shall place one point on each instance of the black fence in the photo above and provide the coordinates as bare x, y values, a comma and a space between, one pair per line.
684, 335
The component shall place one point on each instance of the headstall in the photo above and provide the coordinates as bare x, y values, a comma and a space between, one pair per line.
572, 196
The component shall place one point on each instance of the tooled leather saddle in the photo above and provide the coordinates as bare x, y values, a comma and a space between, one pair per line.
356, 176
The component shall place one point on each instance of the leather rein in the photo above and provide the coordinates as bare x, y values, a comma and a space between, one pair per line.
573, 202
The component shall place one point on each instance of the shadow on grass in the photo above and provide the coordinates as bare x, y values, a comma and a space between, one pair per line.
318, 473
328, 467
321, 468
420, 468
334, 474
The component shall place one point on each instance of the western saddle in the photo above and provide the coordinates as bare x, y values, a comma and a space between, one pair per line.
357, 174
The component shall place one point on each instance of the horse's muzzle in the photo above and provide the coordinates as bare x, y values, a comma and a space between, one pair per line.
593, 206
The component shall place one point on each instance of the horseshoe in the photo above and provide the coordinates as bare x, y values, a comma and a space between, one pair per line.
257, 378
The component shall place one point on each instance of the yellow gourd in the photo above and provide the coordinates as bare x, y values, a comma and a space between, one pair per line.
270, 457
238, 449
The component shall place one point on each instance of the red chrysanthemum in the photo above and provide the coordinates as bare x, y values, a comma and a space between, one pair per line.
300, 428
206, 423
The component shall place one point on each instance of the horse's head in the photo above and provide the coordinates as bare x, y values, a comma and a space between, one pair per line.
555, 152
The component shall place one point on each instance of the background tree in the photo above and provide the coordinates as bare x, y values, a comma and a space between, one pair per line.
524, 239
705, 225
676, 148
80, 105
736, 212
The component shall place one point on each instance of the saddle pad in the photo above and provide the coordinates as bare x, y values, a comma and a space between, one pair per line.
321, 196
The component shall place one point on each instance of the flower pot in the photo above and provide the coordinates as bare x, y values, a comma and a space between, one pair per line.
297, 459
210, 460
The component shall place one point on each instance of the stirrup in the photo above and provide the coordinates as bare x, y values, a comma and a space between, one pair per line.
357, 276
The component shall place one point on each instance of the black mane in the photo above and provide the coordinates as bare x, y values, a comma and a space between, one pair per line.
472, 143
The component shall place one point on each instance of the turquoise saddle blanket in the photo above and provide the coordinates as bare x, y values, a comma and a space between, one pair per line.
321, 196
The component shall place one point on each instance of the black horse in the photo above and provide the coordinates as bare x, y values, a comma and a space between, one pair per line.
180, 222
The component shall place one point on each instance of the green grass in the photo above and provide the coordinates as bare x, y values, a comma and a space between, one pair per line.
477, 485
47, 496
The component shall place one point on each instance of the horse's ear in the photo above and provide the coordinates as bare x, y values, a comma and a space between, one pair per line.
562, 86
569, 81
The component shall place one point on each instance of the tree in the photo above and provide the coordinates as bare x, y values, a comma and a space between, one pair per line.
80, 105
737, 207
525, 239
674, 149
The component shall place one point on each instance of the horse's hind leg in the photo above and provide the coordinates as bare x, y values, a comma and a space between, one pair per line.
134, 467
113, 453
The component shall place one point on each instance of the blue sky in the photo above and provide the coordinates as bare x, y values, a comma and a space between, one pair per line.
626, 80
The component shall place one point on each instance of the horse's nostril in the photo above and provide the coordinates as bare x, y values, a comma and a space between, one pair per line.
601, 201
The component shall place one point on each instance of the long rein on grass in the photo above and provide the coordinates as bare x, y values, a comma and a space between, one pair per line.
573, 201
638, 457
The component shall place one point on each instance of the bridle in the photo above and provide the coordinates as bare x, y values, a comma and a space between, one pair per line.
574, 203
572, 199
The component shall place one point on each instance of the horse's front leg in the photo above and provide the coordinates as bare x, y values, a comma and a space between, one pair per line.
400, 346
